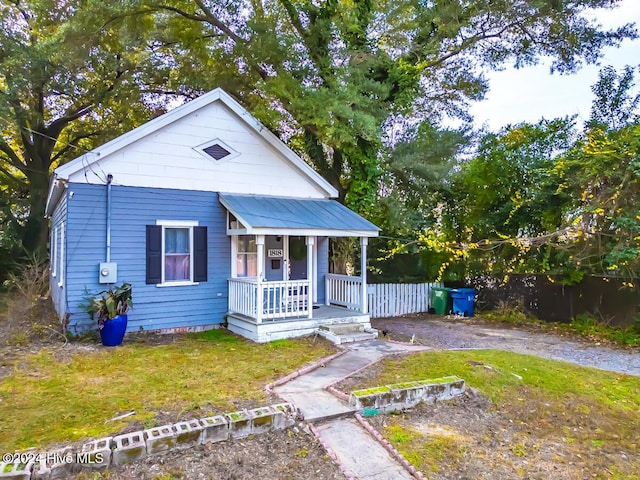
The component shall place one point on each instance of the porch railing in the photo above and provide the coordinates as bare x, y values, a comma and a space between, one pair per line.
243, 296
269, 300
344, 290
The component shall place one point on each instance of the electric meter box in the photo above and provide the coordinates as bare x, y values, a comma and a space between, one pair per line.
108, 273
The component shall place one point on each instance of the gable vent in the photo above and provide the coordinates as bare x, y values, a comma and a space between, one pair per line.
216, 151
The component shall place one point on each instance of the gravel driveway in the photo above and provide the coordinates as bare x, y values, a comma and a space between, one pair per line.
453, 334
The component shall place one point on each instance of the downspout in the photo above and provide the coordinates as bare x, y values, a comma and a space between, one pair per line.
109, 180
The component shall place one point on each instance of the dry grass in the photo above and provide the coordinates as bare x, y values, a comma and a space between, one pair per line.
48, 400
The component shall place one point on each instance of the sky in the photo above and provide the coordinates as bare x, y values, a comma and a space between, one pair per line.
532, 93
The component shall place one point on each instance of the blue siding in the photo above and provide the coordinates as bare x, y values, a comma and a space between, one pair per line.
58, 292
323, 266
132, 209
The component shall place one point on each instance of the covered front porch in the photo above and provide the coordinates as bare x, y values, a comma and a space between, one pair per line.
280, 285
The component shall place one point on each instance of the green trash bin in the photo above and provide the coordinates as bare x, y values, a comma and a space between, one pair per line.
440, 300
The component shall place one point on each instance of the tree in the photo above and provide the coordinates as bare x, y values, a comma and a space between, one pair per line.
601, 174
68, 80
330, 76
412, 190
615, 105
504, 206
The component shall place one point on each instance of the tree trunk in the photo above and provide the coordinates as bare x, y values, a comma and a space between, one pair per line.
35, 232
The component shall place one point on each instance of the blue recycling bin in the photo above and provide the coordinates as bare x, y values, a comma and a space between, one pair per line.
463, 300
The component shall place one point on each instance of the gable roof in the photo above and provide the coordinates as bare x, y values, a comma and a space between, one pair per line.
262, 214
84, 162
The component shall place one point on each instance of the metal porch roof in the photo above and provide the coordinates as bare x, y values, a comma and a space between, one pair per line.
301, 216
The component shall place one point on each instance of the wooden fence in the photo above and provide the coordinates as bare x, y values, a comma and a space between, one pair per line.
391, 299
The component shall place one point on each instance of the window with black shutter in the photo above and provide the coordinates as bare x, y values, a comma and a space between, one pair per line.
176, 253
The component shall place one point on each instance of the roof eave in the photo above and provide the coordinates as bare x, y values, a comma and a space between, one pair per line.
312, 232
56, 189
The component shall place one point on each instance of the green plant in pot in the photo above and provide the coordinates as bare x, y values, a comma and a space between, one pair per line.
110, 307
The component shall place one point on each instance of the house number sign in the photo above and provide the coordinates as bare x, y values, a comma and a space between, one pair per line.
274, 252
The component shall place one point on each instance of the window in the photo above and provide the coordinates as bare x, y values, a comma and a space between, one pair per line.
247, 257
176, 253
54, 251
62, 267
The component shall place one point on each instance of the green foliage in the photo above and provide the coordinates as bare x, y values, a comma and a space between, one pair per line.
589, 326
108, 304
614, 105
70, 79
332, 77
602, 176
540, 198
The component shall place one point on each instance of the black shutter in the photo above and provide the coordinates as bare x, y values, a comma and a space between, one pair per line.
154, 253
200, 254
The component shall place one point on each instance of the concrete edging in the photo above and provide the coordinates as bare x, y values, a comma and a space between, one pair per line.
131, 447
303, 371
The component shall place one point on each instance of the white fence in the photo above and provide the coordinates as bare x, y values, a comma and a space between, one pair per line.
391, 299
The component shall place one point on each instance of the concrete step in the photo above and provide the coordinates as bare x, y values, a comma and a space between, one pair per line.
347, 335
316, 405
343, 328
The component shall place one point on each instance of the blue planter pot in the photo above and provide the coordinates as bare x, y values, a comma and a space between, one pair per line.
112, 333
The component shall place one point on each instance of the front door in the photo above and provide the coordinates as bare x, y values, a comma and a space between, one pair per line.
274, 270
297, 258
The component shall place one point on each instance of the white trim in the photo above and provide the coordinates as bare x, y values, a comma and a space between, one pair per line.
234, 256
216, 141
85, 161
62, 269
314, 279
315, 232
177, 224
186, 283
54, 251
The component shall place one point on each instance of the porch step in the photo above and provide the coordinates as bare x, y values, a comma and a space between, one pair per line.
347, 332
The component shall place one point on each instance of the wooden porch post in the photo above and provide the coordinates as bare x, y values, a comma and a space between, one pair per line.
310, 274
260, 274
363, 269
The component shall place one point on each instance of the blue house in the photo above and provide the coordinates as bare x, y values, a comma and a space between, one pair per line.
213, 220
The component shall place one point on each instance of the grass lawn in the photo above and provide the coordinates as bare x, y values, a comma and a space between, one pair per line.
543, 413
48, 399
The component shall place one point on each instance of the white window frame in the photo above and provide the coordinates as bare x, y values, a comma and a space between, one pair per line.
178, 224
54, 251
235, 251
62, 269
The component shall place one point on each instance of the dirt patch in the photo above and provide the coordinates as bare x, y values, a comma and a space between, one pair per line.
470, 438
290, 454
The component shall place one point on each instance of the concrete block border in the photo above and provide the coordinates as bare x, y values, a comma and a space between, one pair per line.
398, 396
131, 447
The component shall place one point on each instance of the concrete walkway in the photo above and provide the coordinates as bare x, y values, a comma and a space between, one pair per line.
357, 451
